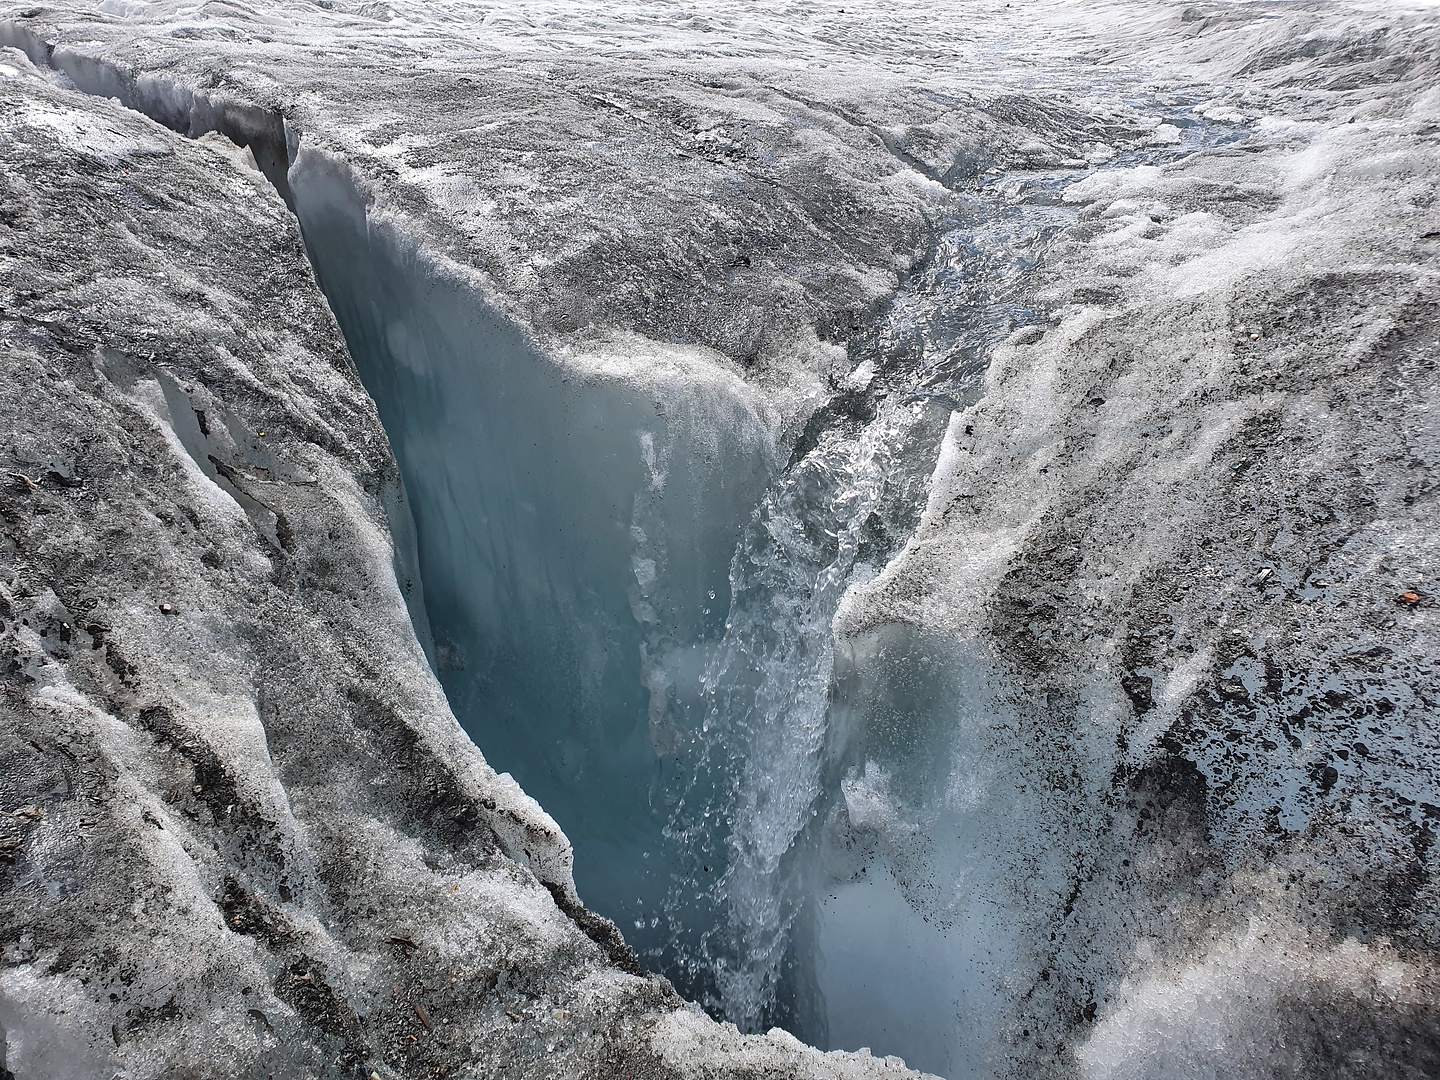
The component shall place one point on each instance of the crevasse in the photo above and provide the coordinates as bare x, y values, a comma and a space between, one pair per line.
628, 594
575, 523
631, 599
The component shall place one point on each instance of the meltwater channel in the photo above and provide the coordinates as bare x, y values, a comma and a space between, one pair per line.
630, 589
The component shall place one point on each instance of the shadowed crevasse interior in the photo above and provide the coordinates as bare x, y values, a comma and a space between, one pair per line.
631, 607
575, 527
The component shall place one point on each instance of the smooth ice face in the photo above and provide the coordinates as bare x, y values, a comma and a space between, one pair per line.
575, 517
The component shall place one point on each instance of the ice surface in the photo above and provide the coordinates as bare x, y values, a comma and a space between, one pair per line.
1134, 606
241, 829
1272, 1000
1105, 749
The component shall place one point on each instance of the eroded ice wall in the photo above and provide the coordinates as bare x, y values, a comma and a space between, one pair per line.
576, 514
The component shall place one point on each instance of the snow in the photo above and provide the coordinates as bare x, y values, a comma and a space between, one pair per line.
1229, 1008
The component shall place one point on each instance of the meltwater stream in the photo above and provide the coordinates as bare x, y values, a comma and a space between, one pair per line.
750, 800
631, 588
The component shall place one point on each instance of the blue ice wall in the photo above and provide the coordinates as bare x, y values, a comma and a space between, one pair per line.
575, 525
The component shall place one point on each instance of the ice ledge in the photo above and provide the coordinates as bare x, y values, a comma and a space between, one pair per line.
693, 1045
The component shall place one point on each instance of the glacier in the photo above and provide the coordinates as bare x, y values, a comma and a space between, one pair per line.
575, 523
932, 507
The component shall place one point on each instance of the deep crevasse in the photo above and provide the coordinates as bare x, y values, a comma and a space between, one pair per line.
631, 603
824, 834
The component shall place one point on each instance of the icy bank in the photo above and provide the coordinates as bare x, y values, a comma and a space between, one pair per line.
1178, 548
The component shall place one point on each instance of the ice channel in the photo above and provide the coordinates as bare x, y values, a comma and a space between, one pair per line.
631, 600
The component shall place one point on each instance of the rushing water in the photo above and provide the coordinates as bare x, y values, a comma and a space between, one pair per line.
760, 746
755, 749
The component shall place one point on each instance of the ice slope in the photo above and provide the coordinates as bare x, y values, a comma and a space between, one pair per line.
1175, 566
747, 190
1008, 833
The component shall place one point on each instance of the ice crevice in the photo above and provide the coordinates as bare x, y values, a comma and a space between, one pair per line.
183, 110
576, 519
588, 538
931, 730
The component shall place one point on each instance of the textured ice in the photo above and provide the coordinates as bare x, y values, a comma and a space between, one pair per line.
242, 831
933, 501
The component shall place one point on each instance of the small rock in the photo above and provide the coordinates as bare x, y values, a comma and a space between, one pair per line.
166, 609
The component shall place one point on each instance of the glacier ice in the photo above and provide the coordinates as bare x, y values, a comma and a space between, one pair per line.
1014, 652
242, 830
575, 519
